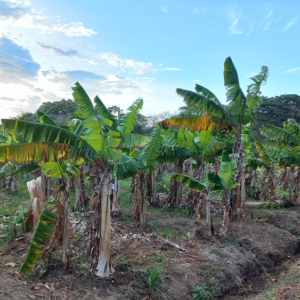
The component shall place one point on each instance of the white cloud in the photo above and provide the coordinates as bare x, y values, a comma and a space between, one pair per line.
292, 70
22, 2
114, 60
139, 67
93, 62
172, 69
197, 80
195, 11
26, 17
52, 85
233, 17
290, 24
164, 9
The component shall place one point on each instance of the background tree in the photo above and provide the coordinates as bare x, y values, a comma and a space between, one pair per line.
274, 111
58, 111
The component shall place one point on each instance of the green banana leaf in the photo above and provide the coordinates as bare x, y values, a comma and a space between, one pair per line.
190, 182
40, 238
28, 168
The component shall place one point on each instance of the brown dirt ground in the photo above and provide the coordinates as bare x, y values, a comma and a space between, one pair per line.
256, 251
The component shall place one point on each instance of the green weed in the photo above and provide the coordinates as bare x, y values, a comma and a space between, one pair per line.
154, 276
273, 206
200, 292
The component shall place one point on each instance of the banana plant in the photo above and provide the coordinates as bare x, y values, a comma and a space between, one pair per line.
175, 149
140, 163
239, 111
222, 181
287, 141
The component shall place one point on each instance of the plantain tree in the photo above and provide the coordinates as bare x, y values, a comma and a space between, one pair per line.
47, 142
214, 182
239, 110
287, 142
123, 125
145, 160
175, 149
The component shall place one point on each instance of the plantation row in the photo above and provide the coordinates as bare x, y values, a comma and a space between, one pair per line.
207, 152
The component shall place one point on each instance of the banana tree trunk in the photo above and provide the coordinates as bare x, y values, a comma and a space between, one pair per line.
1, 183
239, 203
143, 206
99, 226
175, 188
226, 215
104, 267
116, 198
78, 201
82, 198
208, 216
139, 199
10, 184
48, 187
66, 257
296, 184
160, 172
151, 188
195, 200
217, 165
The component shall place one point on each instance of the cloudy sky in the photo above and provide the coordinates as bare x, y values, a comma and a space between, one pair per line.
123, 50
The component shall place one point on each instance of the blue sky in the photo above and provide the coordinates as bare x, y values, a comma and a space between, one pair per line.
123, 50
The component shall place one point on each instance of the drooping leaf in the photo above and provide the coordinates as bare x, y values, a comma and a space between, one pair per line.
173, 153
40, 237
3, 138
195, 123
37, 132
28, 168
34, 152
59, 169
135, 141
127, 167
263, 154
214, 181
203, 101
253, 163
279, 134
190, 182
5, 168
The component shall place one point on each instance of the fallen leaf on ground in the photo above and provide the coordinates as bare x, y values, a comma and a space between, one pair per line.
11, 264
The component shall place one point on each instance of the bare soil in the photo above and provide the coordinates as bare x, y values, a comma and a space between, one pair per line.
258, 251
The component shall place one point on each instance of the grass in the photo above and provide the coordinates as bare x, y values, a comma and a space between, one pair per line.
232, 242
10, 201
211, 272
6, 233
168, 232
